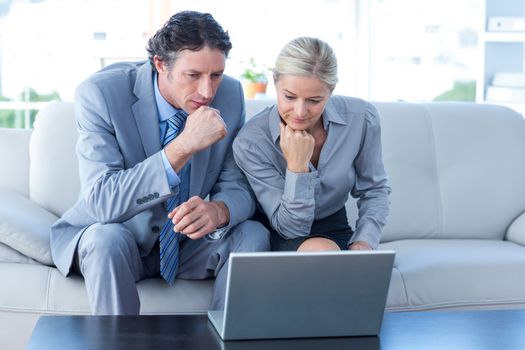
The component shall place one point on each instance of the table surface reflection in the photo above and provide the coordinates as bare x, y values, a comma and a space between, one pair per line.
502, 329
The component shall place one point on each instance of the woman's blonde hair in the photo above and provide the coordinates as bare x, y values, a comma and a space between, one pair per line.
306, 56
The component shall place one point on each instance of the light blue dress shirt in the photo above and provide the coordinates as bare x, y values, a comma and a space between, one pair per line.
179, 183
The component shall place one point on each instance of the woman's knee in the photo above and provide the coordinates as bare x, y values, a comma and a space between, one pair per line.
316, 244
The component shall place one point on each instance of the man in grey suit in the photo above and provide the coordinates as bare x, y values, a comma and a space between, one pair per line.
154, 141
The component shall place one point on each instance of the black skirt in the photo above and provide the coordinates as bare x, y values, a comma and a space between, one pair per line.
334, 227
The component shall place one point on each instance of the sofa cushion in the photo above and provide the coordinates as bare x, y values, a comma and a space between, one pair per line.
408, 155
53, 175
14, 157
8, 254
24, 226
254, 106
481, 169
446, 273
397, 296
456, 169
44, 290
516, 231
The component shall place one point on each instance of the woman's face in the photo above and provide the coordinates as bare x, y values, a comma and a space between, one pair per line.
301, 101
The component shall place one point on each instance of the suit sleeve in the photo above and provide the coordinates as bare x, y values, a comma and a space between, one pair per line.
111, 192
232, 187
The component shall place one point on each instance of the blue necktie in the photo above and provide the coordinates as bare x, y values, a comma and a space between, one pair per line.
175, 123
168, 239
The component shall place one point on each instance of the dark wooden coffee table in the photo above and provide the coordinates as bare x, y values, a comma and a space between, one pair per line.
462, 330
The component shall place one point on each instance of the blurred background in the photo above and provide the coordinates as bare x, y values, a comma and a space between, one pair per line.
388, 50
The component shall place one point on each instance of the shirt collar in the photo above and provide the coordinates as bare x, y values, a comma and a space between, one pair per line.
330, 115
166, 111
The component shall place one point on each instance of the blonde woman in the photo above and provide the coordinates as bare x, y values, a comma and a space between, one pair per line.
306, 154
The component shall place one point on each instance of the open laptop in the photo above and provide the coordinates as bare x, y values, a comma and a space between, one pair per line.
271, 295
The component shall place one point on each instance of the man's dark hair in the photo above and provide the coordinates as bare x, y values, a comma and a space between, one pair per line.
187, 30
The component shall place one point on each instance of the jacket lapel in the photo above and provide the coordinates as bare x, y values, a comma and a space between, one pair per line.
147, 120
145, 110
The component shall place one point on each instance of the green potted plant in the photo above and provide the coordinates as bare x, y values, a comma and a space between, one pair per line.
255, 79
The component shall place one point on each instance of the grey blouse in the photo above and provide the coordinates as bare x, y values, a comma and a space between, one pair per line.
350, 163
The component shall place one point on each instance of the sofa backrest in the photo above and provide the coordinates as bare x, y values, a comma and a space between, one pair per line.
14, 159
457, 170
53, 173
253, 106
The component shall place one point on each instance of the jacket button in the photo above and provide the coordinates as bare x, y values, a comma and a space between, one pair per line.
151, 197
139, 201
155, 229
156, 195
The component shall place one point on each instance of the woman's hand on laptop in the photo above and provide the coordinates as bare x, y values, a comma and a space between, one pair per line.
359, 245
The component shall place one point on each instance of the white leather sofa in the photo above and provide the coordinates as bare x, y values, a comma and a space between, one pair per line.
457, 219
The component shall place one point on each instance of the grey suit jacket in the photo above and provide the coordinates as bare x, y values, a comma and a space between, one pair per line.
121, 171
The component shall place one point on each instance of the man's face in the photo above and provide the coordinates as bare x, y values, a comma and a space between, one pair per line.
193, 79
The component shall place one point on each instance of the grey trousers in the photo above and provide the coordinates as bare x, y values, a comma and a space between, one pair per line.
108, 257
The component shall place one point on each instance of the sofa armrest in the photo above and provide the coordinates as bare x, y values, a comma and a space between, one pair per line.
516, 231
14, 157
25, 226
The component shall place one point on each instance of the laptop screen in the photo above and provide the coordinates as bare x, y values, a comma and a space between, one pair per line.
309, 294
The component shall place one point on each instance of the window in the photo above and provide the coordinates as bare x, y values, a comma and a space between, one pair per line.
47, 47
423, 50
